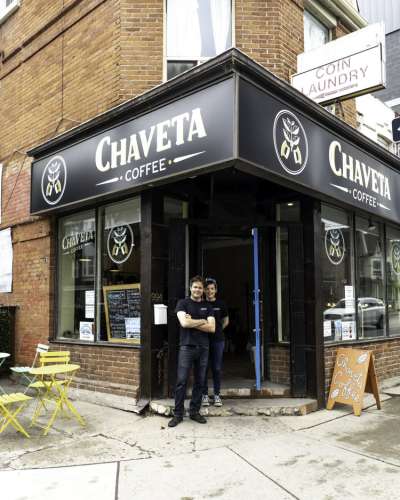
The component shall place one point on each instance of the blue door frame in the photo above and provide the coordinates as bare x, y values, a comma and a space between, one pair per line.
256, 302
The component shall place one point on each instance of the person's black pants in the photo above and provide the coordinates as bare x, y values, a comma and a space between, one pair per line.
215, 360
196, 357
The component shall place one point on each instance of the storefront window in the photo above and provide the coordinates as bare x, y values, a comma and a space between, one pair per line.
90, 267
370, 278
393, 279
336, 274
120, 262
76, 276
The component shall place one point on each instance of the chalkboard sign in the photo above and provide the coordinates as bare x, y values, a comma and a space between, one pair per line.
122, 308
354, 374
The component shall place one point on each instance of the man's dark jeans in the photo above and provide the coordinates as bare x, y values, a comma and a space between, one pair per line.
196, 356
216, 355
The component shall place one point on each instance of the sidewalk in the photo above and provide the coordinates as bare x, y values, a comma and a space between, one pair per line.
120, 455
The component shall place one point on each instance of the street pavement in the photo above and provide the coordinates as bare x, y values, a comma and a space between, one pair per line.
119, 455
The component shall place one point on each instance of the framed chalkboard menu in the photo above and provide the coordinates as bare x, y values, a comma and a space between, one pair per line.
122, 308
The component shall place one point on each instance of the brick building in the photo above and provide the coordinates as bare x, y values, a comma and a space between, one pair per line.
104, 229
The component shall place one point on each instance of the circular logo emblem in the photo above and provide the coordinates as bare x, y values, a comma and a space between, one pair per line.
120, 243
54, 180
334, 246
290, 142
396, 257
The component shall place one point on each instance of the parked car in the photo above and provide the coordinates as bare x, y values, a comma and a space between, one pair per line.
371, 312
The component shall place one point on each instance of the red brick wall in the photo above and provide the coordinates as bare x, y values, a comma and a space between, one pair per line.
105, 369
271, 32
279, 365
386, 353
64, 62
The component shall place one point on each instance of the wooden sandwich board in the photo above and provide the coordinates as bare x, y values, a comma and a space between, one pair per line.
354, 374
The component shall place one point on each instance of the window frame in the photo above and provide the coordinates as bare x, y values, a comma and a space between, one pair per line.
385, 224
320, 20
199, 60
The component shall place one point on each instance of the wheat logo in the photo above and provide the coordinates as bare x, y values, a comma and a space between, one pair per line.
290, 142
54, 179
335, 246
396, 258
120, 243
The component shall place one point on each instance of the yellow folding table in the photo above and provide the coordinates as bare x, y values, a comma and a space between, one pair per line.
55, 389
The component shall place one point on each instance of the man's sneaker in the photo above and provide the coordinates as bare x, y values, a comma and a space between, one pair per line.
175, 421
217, 400
205, 401
198, 418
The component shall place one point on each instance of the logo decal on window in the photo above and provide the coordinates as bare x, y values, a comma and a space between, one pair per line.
120, 243
334, 246
54, 180
290, 142
396, 257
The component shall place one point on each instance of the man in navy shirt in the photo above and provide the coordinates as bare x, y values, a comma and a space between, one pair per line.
196, 319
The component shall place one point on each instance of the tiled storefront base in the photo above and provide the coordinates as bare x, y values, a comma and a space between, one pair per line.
108, 372
386, 353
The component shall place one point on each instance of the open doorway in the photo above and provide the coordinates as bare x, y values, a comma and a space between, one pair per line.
228, 259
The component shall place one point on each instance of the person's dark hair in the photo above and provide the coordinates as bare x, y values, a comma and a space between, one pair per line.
196, 279
211, 281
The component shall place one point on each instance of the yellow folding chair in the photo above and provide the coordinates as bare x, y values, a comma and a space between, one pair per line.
22, 372
43, 387
10, 406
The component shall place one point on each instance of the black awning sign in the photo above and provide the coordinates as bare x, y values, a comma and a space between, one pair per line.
288, 144
180, 137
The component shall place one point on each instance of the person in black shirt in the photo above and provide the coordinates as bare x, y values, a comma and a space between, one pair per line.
217, 342
196, 319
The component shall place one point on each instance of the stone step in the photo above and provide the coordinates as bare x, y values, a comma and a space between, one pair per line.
272, 407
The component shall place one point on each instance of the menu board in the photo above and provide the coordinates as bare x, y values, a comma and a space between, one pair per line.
122, 308
354, 374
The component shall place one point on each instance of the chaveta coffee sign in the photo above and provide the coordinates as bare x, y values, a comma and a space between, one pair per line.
300, 150
191, 133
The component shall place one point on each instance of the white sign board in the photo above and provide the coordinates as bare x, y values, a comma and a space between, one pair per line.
332, 59
342, 47
348, 330
349, 297
327, 328
6, 253
132, 328
86, 330
89, 304
353, 75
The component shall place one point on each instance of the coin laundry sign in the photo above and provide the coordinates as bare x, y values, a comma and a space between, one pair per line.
191, 133
353, 75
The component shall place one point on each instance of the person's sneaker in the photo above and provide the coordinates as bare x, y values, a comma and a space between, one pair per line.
175, 421
198, 418
205, 401
217, 400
